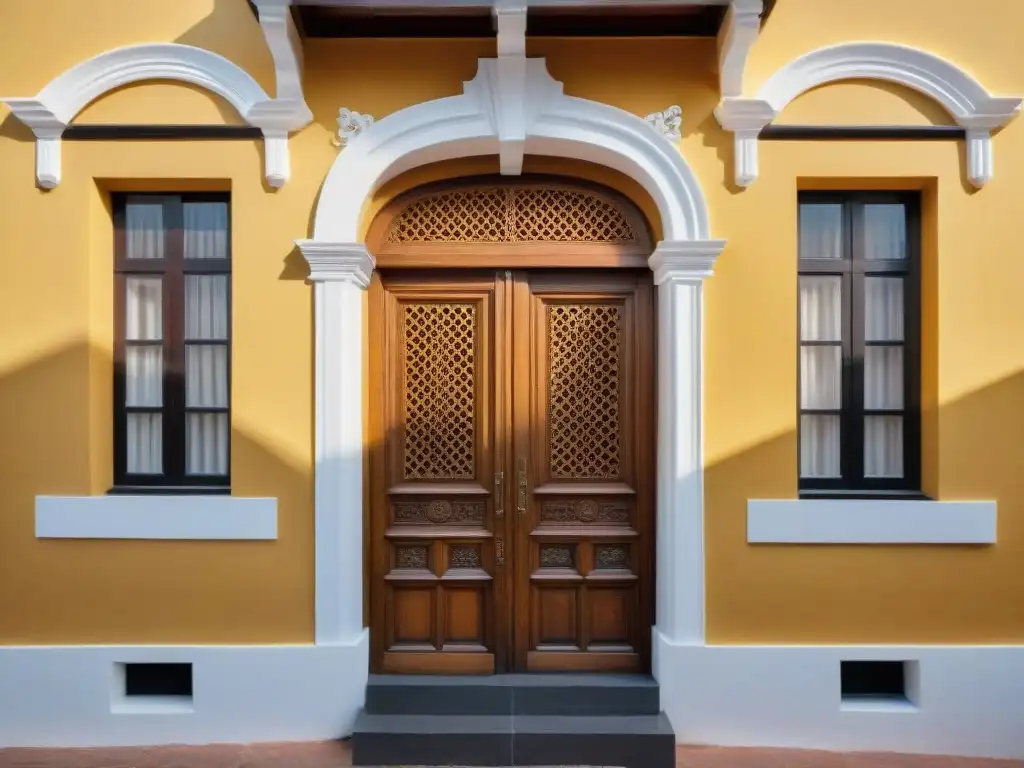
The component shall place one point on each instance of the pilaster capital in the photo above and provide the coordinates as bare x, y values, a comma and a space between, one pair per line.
689, 260
337, 262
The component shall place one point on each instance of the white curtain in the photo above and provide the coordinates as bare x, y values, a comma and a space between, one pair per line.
144, 373
885, 231
144, 229
206, 374
206, 230
820, 374
819, 446
821, 229
883, 375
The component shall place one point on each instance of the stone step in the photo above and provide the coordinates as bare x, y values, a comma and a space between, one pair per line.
520, 694
623, 741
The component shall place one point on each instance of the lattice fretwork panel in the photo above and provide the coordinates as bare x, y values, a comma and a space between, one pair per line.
440, 395
513, 214
561, 215
583, 395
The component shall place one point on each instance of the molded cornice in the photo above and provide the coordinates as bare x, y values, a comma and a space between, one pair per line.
337, 262
966, 100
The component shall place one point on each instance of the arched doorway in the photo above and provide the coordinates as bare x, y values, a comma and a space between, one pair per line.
511, 493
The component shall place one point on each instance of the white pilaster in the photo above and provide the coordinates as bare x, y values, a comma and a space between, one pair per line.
679, 271
340, 272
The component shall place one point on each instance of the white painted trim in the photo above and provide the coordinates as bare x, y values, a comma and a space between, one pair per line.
155, 517
870, 521
340, 272
735, 39
286, 48
680, 269
73, 696
481, 121
966, 100
50, 111
964, 700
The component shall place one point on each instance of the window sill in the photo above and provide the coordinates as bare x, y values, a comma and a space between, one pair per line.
180, 517
170, 490
870, 521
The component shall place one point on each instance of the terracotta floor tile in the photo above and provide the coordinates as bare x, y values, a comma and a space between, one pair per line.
338, 754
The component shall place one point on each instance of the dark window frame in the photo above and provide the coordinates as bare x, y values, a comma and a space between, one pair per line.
852, 269
172, 269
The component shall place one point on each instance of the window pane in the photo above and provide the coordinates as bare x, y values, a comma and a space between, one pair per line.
821, 230
883, 378
819, 446
820, 378
206, 438
206, 376
144, 318
821, 308
206, 307
206, 230
883, 446
144, 376
144, 229
885, 232
883, 310
145, 444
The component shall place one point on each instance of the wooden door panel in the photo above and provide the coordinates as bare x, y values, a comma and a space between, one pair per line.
583, 392
434, 501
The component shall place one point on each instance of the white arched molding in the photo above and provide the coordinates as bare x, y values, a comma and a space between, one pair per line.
966, 100
50, 111
508, 116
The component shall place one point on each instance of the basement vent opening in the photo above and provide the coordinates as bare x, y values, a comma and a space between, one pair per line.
885, 684
152, 687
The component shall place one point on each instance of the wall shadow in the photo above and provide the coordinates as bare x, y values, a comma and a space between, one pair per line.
94, 591
875, 594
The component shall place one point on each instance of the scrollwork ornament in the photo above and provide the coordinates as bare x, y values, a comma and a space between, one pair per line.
350, 125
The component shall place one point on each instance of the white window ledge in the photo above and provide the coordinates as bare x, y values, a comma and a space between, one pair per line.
870, 521
155, 517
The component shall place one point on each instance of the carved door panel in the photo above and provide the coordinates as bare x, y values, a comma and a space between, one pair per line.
436, 503
583, 397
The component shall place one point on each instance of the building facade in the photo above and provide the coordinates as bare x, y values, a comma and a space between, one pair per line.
671, 338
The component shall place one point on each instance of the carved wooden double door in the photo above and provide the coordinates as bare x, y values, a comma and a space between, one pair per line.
511, 508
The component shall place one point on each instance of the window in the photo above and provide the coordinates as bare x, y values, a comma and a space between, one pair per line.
859, 326
172, 350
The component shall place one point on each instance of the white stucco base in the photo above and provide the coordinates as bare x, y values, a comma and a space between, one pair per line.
966, 700
69, 696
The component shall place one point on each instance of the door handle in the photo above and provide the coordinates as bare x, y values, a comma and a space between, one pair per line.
521, 505
499, 551
499, 500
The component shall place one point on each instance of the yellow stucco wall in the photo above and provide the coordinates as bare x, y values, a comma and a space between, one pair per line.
56, 320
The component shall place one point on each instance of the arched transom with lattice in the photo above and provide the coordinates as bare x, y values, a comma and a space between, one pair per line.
515, 214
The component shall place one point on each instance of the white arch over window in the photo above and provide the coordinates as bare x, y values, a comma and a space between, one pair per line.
512, 108
50, 111
966, 100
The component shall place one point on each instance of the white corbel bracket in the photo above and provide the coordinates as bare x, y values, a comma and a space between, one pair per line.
744, 118
47, 128
737, 35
